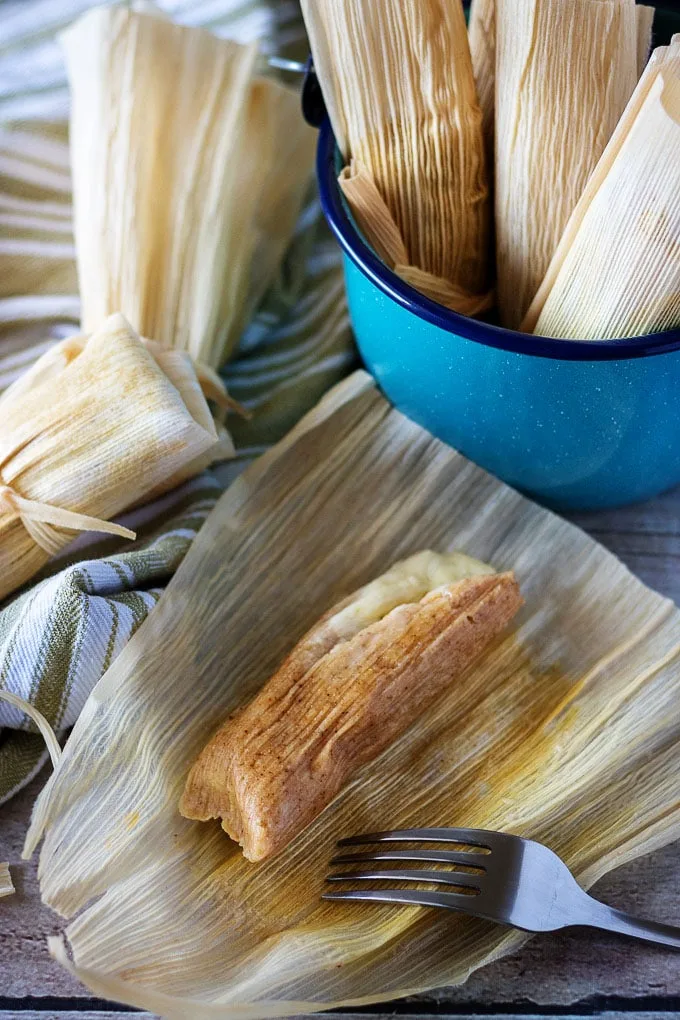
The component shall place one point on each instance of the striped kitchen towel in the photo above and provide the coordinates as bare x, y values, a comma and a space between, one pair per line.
59, 634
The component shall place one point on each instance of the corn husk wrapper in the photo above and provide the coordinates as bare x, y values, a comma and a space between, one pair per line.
616, 271
555, 60
399, 88
128, 423
645, 25
188, 176
482, 35
6, 884
567, 732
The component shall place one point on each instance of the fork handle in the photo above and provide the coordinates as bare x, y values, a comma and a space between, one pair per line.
599, 915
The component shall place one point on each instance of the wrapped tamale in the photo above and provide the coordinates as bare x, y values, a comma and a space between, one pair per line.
349, 688
94, 435
616, 272
399, 88
188, 176
565, 70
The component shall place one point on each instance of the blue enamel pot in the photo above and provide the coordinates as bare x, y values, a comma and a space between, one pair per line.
575, 424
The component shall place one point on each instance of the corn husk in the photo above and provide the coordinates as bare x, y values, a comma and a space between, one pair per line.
34, 716
616, 271
188, 176
555, 59
6, 884
645, 24
128, 422
398, 84
482, 35
568, 732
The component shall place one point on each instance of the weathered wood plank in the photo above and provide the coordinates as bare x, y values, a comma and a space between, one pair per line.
646, 537
551, 970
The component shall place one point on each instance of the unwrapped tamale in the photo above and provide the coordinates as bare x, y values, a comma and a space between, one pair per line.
399, 87
188, 176
348, 689
102, 425
565, 70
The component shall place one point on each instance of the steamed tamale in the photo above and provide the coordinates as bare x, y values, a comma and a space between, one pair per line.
616, 271
188, 175
399, 87
565, 70
348, 689
89, 438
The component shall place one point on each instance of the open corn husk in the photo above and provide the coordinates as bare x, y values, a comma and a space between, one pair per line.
567, 732
6, 884
129, 421
555, 60
616, 271
188, 176
398, 84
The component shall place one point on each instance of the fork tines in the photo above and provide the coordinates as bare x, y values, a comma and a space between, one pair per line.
469, 884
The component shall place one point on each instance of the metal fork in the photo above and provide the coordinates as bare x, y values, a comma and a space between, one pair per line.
516, 881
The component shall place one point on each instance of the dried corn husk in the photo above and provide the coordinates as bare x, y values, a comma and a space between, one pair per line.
188, 176
555, 60
568, 732
645, 20
39, 721
127, 422
616, 271
482, 35
398, 84
6, 884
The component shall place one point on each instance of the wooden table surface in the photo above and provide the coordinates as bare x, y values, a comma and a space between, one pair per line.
582, 974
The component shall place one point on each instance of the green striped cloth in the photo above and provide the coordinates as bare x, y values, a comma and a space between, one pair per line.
60, 634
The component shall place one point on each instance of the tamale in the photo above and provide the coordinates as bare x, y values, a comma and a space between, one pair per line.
482, 35
188, 175
620, 276
6, 884
348, 689
122, 427
399, 88
565, 70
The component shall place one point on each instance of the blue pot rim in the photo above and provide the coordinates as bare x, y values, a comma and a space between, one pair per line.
480, 332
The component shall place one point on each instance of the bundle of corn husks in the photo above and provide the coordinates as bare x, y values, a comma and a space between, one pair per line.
399, 87
189, 171
188, 174
97, 425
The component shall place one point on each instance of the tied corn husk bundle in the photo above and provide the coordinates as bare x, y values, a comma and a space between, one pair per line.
567, 731
565, 70
6, 884
129, 421
399, 88
616, 271
188, 176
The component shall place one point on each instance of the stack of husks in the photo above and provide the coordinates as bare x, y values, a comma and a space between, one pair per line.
542, 106
188, 172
